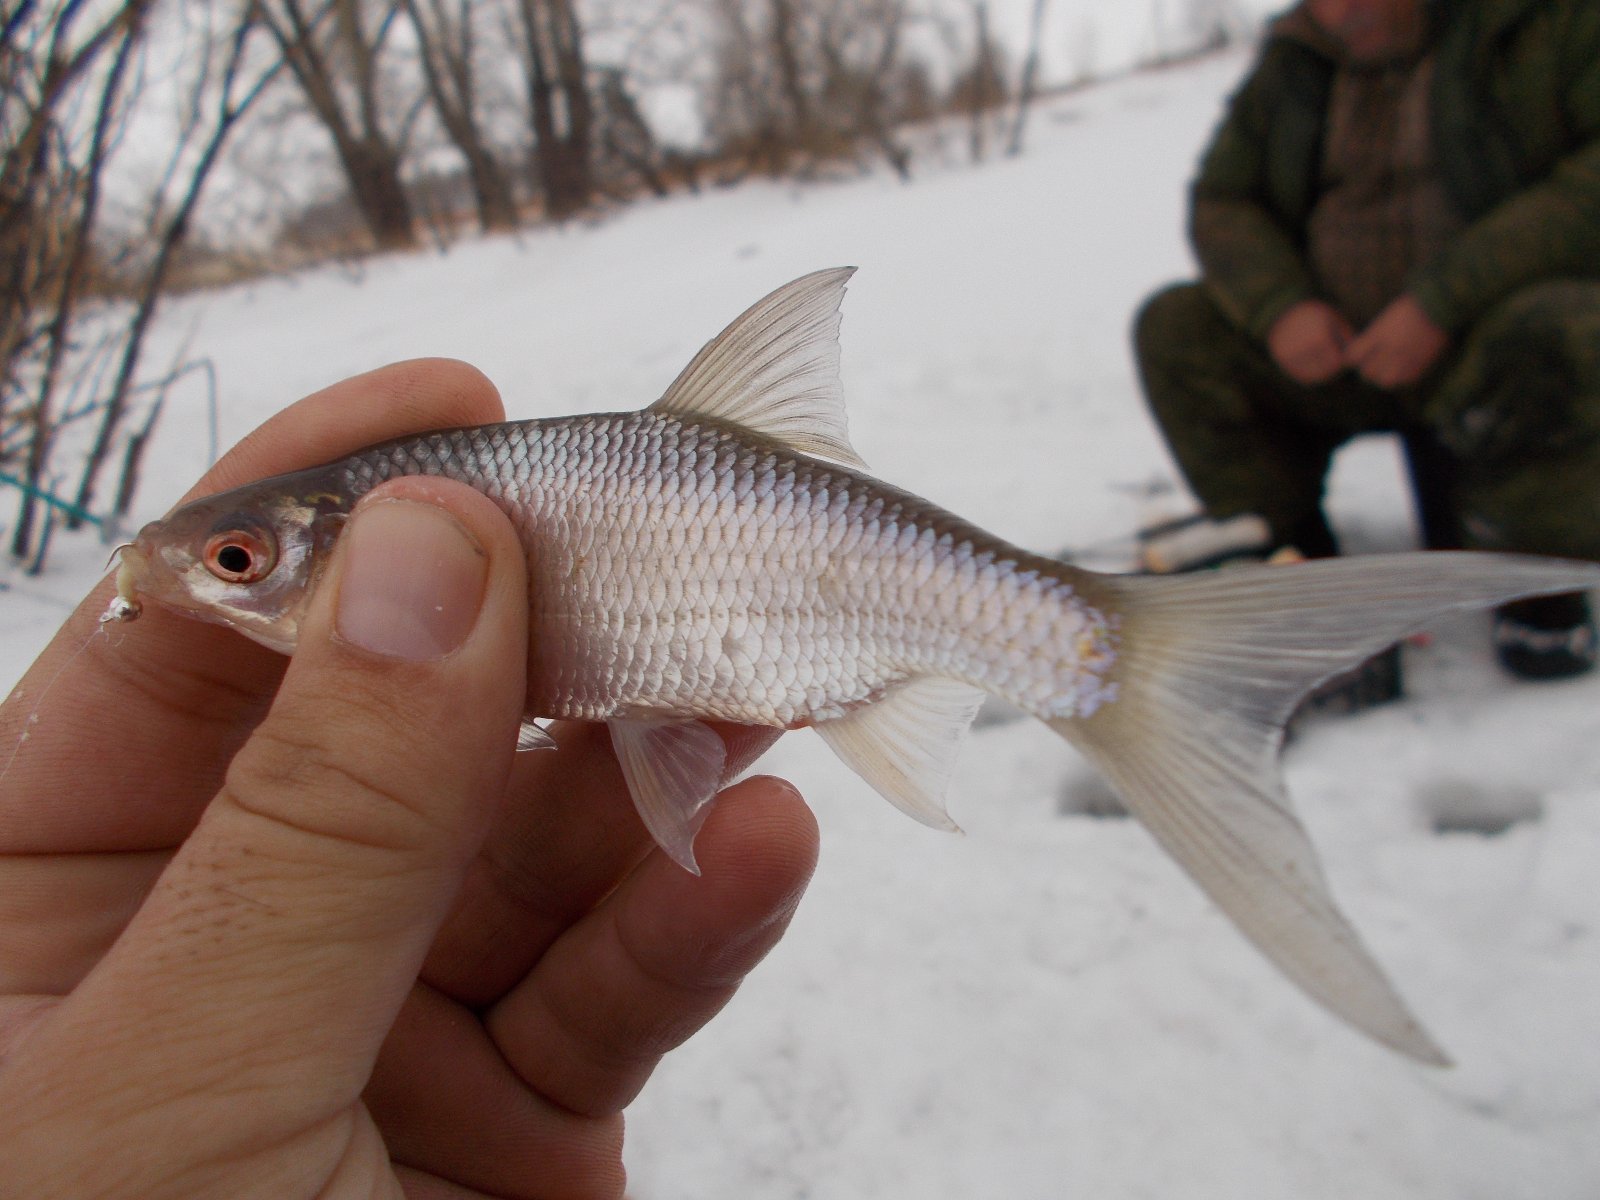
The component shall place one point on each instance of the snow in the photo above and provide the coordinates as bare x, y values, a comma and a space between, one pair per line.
1043, 1006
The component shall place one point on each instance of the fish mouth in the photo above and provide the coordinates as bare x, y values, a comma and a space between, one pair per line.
125, 605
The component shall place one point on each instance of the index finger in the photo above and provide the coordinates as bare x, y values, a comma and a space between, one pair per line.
120, 741
565, 839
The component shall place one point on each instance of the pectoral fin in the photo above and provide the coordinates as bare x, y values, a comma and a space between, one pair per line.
673, 767
533, 737
906, 744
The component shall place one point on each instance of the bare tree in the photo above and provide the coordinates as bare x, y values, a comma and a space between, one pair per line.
216, 107
50, 187
1030, 74
981, 88
652, 46
1213, 24
335, 52
866, 80
75, 318
812, 82
447, 46
560, 108
745, 109
769, 83
42, 172
784, 39
626, 142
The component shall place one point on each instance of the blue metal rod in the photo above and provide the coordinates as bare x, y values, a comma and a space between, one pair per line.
72, 510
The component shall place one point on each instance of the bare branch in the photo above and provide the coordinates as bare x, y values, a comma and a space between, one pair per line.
230, 107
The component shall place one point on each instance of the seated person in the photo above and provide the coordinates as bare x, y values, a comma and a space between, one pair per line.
1398, 229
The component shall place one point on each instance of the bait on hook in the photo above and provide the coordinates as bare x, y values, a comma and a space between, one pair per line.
124, 606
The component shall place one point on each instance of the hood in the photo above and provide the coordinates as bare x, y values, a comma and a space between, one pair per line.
1298, 25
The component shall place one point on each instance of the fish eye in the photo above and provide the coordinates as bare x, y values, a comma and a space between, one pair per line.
239, 556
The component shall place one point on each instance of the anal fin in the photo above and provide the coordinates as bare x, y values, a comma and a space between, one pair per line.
906, 744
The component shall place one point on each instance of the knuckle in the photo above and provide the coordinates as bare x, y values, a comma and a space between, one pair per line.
302, 775
193, 688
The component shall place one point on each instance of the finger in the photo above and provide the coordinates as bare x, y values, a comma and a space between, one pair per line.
19, 1013
1363, 360
60, 913
450, 1107
1375, 361
252, 990
1312, 369
564, 839
1378, 374
662, 956
419, 1185
144, 720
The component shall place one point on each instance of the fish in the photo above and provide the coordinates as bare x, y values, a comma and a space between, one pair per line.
722, 554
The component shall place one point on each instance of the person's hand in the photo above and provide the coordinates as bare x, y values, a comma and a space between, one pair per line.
317, 931
1400, 346
1309, 342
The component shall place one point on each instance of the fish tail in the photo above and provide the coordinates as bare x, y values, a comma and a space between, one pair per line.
1210, 669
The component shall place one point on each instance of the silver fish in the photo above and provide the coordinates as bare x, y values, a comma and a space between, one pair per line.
722, 554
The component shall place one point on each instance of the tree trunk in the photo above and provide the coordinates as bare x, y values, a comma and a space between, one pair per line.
1030, 74
626, 138
986, 89
446, 55
559, 107
373, 170
370, 160
491, 189
786, 54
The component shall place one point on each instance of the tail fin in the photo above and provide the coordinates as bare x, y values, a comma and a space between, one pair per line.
1211, 667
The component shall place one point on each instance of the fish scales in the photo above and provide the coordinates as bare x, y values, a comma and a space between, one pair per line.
682, 567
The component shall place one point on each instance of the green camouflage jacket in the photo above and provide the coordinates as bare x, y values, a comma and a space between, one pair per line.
1516, 126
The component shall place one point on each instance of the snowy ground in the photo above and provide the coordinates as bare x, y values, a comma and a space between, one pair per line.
1042, 1007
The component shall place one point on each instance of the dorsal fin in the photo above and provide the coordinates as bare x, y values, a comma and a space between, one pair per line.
775, 370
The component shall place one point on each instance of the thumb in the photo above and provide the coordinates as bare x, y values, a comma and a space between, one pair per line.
272, 955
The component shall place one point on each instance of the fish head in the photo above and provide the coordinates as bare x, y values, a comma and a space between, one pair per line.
247, 558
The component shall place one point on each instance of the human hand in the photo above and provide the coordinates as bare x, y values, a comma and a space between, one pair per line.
316, 931
1309, 341
1400, 346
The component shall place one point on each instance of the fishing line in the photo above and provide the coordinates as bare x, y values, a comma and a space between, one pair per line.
32, 718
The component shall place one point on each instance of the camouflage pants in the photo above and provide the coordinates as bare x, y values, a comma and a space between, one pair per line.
1509, 421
